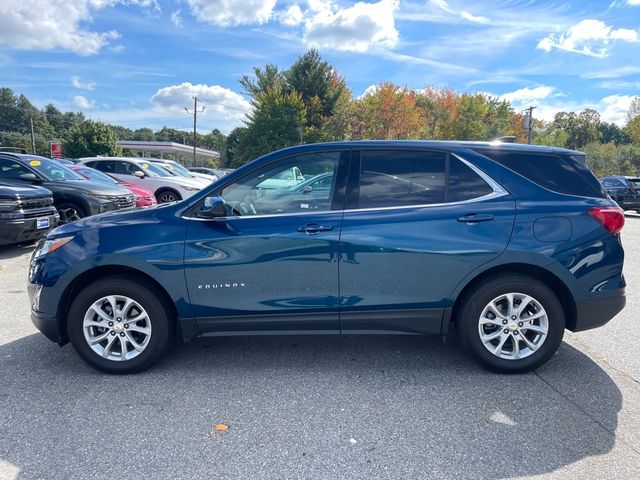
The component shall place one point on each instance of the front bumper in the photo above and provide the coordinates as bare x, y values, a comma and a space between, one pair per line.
25, 230
595, 312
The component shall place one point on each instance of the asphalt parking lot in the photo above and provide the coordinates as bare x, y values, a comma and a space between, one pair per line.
320, 407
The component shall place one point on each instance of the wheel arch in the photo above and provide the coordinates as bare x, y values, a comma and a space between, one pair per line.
544, 275
89, 276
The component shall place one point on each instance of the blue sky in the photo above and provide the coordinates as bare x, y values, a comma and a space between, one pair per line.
138, 62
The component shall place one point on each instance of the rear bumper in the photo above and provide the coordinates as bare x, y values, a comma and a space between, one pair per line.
596, 312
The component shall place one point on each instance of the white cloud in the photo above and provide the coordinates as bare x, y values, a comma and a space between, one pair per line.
614, 108
527, 95
49, 24
613, 72
474, 18
220, 102
292, 16
176, 19
76, 82
82, 102
588, 37
369, 90
443, 5
358, 28
227, 13
633, 3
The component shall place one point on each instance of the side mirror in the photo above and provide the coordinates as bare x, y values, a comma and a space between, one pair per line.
139, 174
29, 177
307, 189
213, 207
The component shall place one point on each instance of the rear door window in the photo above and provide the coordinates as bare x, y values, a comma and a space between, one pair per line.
397, 178
107, 166
402, 178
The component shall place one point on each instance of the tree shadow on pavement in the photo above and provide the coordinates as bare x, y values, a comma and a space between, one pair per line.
300, 407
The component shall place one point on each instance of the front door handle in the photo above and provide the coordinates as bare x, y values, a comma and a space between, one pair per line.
476, 218
313, 228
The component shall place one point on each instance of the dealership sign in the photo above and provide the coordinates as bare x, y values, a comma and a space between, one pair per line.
56, 150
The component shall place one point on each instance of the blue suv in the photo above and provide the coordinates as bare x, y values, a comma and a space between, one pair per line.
510, 244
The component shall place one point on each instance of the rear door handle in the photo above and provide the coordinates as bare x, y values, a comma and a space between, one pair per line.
313, 228
476, 218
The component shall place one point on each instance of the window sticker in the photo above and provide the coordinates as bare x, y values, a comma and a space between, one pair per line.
35, 163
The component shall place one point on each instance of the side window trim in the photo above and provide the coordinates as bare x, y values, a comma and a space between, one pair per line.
354, 185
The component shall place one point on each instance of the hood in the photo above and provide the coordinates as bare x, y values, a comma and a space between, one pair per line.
88, 186
190, 182
113, 218
15, 192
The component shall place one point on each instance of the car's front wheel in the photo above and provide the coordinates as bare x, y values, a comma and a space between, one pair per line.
511, 323
70, 212
166, 196
119, 324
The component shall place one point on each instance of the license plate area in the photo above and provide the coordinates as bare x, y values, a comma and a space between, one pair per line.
42, 222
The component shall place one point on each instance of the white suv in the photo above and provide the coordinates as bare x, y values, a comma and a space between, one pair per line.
165, 186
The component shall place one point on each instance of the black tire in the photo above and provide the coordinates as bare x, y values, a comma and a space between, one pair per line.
166, 195
472, 307
70, 212
147, 296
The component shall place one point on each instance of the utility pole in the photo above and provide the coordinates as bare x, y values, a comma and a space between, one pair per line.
33, 137
529, 122
195, 116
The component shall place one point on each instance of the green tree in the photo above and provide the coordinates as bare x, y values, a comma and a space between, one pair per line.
319, 88
632, 130
582, 128
89, 139
276, 122
144, 135
231, 158
612, 133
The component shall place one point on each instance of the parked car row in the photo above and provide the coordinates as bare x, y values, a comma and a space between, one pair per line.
624, 190
85, 187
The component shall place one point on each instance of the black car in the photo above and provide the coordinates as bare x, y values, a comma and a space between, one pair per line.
74, 196
26, 213
625, 190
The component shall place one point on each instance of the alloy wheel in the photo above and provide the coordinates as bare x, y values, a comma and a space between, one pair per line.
117, 328
513, 326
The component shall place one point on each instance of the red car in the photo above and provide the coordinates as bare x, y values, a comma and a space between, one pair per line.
144, 198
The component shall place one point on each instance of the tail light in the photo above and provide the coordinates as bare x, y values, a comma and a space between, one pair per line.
611, 218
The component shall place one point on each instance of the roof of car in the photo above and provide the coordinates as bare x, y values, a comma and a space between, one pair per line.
520, 147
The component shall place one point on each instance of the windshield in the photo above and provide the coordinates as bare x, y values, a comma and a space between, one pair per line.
176, 167
154, 170
93, 174
53, 170
173, 170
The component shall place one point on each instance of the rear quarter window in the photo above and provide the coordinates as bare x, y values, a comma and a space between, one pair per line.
558, 173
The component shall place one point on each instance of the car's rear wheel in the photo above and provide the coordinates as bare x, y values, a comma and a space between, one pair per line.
166, 196
119, 325
70, 212
511, 323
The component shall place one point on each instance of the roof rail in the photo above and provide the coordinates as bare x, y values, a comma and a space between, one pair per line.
506, 139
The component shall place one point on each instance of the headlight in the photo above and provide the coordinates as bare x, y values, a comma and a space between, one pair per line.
101, 197
8, 205
49, 246
189, 188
